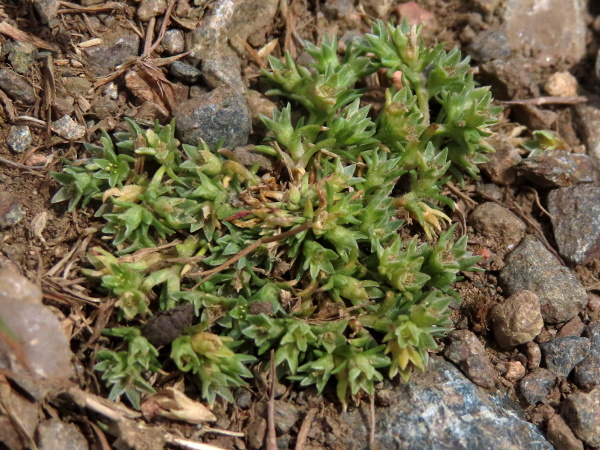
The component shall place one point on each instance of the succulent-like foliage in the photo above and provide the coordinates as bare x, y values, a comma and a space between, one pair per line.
308, 260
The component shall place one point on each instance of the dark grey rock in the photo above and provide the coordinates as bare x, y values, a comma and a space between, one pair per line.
11, 210
489, 45
173, 41
283, 442
582, 412
16, 87
530, 266
47, 10
552, 30
469, 355
556, 168
286, 416
19, 138
498, 224
576, 221
587, 372
102, 59
220, 114
536, 386
562, 354
243, 398
223, 69
53, 434
587, 120
518, 320
441, 409
185, 72
21, 56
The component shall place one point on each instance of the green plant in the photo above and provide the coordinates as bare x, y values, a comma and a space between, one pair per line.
308, 260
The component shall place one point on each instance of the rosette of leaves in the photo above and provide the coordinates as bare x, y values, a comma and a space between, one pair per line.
307, 260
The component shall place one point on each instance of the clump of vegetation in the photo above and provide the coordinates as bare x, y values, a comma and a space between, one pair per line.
307, 260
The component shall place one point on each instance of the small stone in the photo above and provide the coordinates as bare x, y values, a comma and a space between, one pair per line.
151, 111
536, 386
164, 327
173, 41
53, 434
501, 165
243, 398
185, 72
540, 415
514, 371
498, 224
561, 436
469, 355
556, 168
76, 86
509, 78
587, 372
534, 355
111, 91
489, 45
286, 416
19, 138
63, 106
47, 10
223, 70
562, 354
587, 120
582, 412
573, 327
247, 156
151, 8
255, 432
21, 55
518, 320
102, 59
530, 266
259, 105
561, 84
576, 222
220, 114
68, 128
16, 87
11, 210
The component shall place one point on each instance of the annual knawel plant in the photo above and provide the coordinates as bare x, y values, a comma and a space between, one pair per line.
313, 260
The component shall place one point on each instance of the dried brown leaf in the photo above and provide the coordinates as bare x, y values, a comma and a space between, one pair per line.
175, 405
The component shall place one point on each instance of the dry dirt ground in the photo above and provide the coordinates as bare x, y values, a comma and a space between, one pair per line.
47, 237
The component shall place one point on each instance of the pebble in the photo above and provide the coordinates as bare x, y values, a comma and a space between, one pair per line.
222, 113
530, 266
536, 386
501, 165
561, 436
53, 434
587, 372
21, 56
104, 107
556, 168
259, 105
19, 138
468, 353
573, 327
286, 415
243, 398
223, 70
11, 210
255, 432
514, 371
47, 10
563, 354
111, 91
185, 72
441, 409
534, 355
576, 222
582, 412
509, 78
16, 87
68, 128
489, 45
518, 320
498, 225
587, 120
102, 59
561, 84
151, 8
173, 41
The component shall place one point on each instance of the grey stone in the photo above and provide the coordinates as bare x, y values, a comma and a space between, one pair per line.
223, 69
185, 72
469, 355
498, 224
173, 41
151, 8
47, 10
582, 412
489, 45
563, 354
16, 87
21, 56
501, 165
509, 78
286, 416
256, 430
243, 398
19, 138
221, 114
536, 386
11, 210
561, 436
102, 59
587, 120
552, 30
53, 434
587, 372
441, 409
518, 320
68, 128
530, 266
576, 222
556, 168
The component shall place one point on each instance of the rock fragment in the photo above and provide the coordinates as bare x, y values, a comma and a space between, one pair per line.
518, 320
